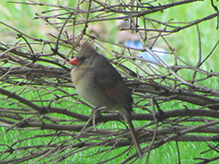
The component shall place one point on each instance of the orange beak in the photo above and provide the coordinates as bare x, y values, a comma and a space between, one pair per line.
74, 61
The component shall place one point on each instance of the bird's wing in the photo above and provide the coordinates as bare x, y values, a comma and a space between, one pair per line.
109, 81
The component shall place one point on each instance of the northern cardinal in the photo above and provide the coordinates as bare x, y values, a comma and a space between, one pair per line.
101, 85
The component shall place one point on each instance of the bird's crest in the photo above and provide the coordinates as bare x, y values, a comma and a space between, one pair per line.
87, 45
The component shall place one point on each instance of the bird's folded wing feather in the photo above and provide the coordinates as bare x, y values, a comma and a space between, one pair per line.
110, 82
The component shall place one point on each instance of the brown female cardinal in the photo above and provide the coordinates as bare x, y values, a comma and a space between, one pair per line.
101, 85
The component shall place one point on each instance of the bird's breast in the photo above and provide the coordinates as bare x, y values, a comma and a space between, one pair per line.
85, 89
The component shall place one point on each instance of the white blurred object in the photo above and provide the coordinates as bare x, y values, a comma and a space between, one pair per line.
131, 40
145, 55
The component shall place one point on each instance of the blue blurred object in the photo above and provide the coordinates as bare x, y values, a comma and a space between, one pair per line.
145, 55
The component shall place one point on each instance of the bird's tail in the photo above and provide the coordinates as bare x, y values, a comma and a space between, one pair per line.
134, 136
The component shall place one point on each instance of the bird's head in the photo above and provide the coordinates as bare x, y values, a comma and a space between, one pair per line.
86, 56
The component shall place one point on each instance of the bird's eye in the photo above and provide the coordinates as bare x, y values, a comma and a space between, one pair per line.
81, 59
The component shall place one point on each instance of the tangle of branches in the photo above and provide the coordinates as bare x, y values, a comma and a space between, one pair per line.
42, 116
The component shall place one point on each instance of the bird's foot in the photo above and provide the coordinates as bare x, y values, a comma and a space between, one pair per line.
96, 114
